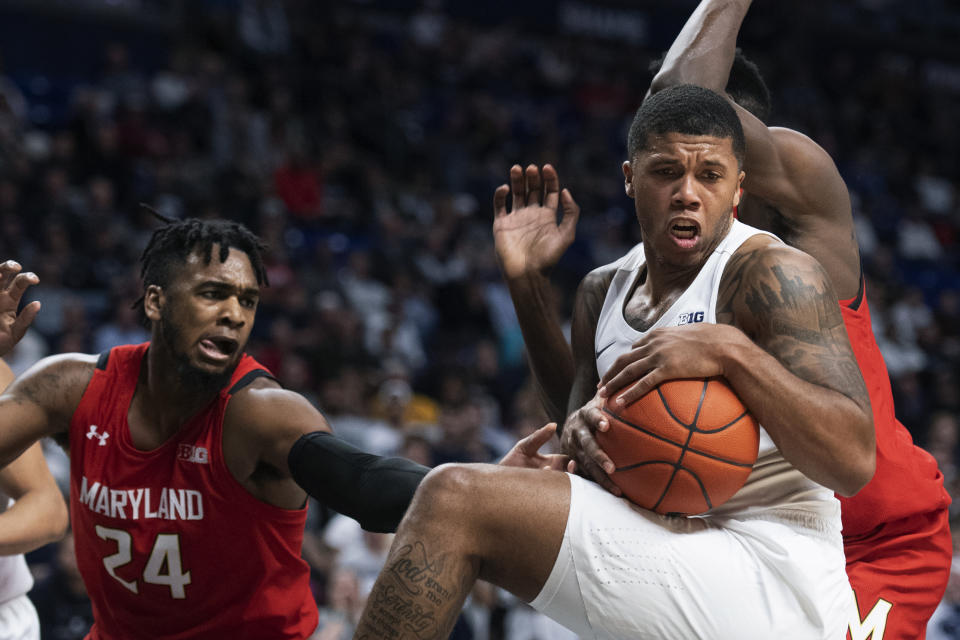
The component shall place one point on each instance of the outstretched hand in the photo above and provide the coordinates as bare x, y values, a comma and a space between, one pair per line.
529, 239
12, 285
526, 453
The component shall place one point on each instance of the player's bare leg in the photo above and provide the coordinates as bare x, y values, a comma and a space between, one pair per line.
467, 522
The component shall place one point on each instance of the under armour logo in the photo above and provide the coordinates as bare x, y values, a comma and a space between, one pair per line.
100, 436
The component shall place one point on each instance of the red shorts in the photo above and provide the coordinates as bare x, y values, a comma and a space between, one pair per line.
899, 573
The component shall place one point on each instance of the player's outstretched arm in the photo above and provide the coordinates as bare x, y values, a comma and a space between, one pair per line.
39, 513
703, 51
784, 168
270, 427
784, 349
529, 242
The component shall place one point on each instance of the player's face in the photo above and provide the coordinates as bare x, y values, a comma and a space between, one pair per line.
207, 312
684, 189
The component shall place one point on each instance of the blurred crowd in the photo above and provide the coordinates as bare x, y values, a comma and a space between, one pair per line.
364, 144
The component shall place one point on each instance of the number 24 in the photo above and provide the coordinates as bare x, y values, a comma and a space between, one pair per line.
166, 551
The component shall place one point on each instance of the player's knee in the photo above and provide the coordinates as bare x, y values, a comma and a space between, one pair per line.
446, 491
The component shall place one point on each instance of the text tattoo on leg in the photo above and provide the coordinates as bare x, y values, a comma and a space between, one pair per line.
412, 598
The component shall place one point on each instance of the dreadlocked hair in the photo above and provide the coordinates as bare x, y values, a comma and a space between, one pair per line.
172, 244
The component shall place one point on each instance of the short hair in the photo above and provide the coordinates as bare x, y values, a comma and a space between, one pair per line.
686, 109
172, 244
745, 86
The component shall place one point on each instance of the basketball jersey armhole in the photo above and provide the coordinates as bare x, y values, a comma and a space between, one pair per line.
248, 379
854, 303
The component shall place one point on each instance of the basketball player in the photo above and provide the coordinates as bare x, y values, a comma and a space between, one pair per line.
190, 465
32, 514
767, 564
896, 531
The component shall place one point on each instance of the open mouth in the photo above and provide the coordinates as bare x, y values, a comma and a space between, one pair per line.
685, 233
218, 347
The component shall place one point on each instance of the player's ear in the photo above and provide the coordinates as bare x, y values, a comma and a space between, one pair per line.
738, 194
153, 301
628, 178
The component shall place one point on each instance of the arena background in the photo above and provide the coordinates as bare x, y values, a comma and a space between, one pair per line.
364, 140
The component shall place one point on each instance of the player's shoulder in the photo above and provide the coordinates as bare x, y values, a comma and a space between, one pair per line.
264, 406
764, 262
599, 278
57, 382
764, 250
797, 149
63, 371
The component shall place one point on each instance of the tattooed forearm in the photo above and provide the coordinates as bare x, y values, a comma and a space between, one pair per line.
418, 595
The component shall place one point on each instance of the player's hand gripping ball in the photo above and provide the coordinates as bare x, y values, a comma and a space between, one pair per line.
683, 448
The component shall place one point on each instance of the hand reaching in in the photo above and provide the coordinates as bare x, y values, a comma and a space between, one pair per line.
528, 239
12, 285
526, 453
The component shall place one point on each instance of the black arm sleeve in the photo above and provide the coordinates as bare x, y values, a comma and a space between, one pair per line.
373, 490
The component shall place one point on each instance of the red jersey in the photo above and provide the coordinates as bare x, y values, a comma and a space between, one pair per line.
907, 480
169, 544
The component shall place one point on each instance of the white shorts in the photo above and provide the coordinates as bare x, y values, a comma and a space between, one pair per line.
628, 573
18, 620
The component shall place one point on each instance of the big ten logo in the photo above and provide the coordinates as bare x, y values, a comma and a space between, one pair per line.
190, 453
690, 318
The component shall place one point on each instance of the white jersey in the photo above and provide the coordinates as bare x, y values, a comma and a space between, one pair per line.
775, 488
15, 576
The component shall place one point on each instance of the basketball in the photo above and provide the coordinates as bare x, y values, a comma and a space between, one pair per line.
683, 448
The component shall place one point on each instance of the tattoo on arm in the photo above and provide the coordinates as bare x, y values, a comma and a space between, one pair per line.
783, 301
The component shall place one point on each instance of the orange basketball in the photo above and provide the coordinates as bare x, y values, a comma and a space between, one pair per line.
682, 449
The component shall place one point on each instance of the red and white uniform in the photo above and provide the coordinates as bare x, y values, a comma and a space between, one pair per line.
169, 544
896, 531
